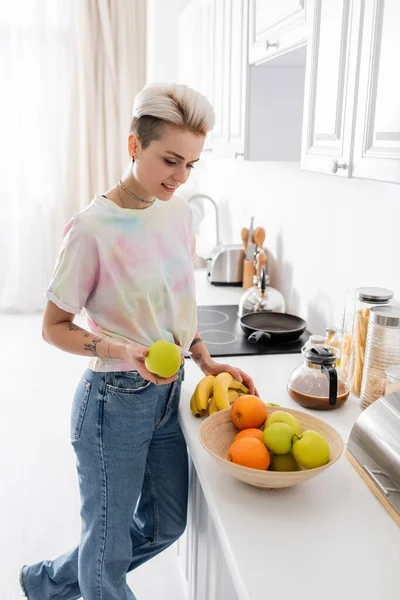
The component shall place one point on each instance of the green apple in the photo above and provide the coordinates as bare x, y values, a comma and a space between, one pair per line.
311, 450
283, 462
163, 359
278, 438
281, 416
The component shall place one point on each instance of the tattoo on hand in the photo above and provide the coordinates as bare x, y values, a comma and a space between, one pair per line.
93, 346
197, 357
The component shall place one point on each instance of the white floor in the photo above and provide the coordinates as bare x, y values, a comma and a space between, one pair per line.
39, 497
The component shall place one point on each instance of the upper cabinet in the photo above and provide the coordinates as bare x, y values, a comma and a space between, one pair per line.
216, 32
377, 127
305, 80
275, 26
257, 109
330, 86
351, 123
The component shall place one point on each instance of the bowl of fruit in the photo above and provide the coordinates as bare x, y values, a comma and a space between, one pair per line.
269, 446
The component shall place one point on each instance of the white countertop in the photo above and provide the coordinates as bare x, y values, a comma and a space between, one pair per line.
328, 538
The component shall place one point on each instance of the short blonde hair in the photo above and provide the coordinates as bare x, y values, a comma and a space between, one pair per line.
160, 103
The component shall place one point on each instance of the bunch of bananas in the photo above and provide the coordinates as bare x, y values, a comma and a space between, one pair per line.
215, 393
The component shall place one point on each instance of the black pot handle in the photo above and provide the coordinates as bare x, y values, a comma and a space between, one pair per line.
331, 373
258, 335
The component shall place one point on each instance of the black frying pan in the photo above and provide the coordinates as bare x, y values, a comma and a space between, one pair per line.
272, 326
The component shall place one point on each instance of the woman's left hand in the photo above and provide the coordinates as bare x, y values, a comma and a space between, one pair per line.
215, 368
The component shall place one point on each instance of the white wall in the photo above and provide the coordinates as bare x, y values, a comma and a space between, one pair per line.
324, 233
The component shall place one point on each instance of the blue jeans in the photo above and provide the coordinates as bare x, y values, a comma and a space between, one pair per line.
133, 476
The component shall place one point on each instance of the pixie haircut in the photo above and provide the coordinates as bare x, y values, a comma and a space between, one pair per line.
160, 103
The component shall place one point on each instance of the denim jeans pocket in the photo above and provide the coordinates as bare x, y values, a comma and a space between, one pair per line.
130, 382
79, 405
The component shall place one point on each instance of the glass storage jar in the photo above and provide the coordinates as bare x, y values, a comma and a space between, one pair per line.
382, 351
334, 338
346, 330
366, 298
392, 379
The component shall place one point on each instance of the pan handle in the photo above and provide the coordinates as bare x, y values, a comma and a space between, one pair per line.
256, 336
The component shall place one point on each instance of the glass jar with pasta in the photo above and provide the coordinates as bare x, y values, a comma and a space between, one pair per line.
382, 351
366, 298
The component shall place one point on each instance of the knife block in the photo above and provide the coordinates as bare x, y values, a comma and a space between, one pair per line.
248, 273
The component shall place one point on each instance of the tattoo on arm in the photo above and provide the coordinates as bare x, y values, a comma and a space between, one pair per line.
73, 327
196, 341
93, 346
197, 357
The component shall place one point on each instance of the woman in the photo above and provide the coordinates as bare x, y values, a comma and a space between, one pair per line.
128, 260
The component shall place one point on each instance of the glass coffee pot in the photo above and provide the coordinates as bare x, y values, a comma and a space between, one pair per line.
317, 382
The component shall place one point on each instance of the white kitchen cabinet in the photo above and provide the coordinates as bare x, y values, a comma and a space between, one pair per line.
329, 98
377, 132
213, 60
351, 121
258, 110
203, 559
276, 27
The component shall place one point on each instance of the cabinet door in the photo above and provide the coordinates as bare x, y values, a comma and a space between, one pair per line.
196, 50
329, 96
236, 68
217, 65
377, 136
275, 26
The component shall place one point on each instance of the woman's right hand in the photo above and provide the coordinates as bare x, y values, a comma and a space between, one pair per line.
135, 354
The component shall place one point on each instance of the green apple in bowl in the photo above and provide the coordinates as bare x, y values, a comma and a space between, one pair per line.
283, 462
311, 450
278, 438
281, 416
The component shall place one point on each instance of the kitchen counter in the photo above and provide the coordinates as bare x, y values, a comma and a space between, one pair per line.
327, 538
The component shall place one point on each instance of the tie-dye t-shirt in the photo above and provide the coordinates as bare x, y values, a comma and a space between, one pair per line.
132, 272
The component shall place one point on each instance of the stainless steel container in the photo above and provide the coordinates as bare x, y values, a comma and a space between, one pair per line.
374, 450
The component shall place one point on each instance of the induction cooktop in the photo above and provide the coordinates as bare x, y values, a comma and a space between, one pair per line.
220, 330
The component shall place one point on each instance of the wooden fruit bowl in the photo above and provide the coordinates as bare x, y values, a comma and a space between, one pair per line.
217, 432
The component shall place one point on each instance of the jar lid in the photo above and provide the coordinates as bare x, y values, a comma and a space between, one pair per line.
320, 355
374, 294
387, 316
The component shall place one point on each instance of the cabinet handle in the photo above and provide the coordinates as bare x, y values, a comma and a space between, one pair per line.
335, 165
239, 154
269, 44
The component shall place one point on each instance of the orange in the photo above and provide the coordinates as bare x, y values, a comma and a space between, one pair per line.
251, 432
248, 411
249, 452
